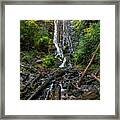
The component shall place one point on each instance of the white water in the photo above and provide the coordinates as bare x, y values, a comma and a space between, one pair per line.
62, 90
51, 86
63, 41
55, 41
66, 40
63, 63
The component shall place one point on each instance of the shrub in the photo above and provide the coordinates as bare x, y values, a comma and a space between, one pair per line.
87, 44
48, 61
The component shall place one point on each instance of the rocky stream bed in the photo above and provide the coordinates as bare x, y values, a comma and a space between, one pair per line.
57, 84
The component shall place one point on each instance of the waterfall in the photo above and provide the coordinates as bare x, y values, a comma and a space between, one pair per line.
48, 92
66, 41
63, 63
63, 41
63, 34
62, 90
55, 41
69, 27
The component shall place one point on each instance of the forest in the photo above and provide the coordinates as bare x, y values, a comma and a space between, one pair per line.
59, 59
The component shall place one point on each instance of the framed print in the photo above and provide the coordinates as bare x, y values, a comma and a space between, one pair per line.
60, 59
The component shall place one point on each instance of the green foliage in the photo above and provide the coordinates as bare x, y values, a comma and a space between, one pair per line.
78, 27
35, 34
97, 58
88, 43
28, 28
27, 56
94, 67
48, 61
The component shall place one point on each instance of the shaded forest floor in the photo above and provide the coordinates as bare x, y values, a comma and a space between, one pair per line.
40, 83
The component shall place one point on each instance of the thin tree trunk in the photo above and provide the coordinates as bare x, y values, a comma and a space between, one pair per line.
89, 62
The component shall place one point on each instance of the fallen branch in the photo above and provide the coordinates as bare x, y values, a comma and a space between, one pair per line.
89, 63
38, 92
95, 77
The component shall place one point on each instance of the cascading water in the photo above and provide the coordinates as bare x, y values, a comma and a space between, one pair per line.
62, 90
63, 63
48, 92
63, 34
69, 28
66, 41
55, 41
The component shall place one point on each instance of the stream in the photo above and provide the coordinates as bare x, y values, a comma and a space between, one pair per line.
59, 85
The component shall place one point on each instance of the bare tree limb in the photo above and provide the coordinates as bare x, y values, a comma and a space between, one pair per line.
94, 54
95, 77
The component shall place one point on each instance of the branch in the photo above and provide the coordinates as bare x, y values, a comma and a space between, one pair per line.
89, 62
95, 77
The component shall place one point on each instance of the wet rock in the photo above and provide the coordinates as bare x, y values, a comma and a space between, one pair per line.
57, 84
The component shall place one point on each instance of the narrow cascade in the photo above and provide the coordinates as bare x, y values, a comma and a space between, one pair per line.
46, 97
63, 63
69, 40
62, 90
63, 45
69, 28
63, 41
48, 92
66, 42
55, 41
